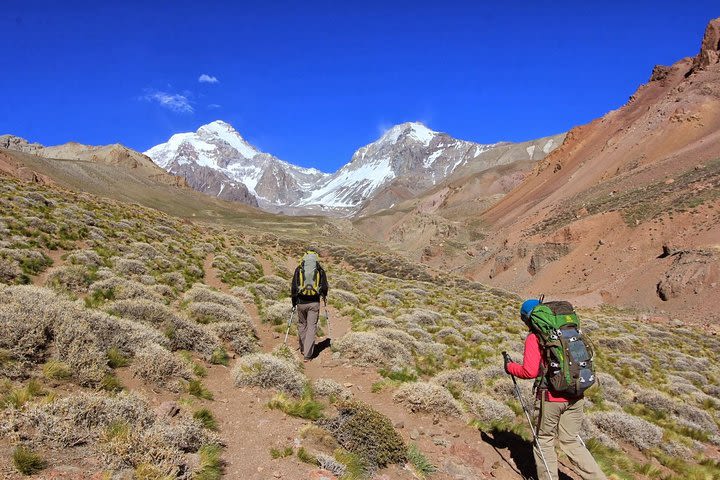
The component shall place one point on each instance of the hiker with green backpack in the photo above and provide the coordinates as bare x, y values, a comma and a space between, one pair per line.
558, 355
309, 283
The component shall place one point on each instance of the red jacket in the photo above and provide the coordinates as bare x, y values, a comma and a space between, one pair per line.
530, 368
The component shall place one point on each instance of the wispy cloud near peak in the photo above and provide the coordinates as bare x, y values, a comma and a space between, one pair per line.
205, 78
172, 101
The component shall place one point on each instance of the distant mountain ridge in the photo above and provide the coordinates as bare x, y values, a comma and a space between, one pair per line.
217, 160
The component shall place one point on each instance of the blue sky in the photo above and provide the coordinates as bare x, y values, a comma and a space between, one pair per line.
310, 82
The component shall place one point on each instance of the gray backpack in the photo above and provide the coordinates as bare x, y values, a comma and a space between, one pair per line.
309, 275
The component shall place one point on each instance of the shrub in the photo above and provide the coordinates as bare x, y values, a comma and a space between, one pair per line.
306, 407
26, 461
277, 313
240, 335
422, 466
81, 418
622, 426
371, 349
487, 410
364, 431
209, 312
268, 371
10, 271
345, 297
206, 418
468, 377
160, 367
128, 267
181, 334
202, 294
427, 397
88, 258
56, 370
70, 278
123, 289
326, 387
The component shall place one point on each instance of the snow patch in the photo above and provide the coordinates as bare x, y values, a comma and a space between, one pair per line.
530, 150
548, 146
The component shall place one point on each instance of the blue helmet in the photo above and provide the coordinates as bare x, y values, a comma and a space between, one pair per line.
527, 308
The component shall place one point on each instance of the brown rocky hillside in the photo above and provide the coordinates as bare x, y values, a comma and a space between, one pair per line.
625, 212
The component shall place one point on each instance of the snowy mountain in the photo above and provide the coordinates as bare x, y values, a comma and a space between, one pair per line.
411, 151
217, 160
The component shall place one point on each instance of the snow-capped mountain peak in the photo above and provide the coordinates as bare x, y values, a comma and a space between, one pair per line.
217, 160
413, 130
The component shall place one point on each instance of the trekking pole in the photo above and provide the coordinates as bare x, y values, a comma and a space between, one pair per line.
327, 317
507, 359
289, 323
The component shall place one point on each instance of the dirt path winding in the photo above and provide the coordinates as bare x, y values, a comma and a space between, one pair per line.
249, 428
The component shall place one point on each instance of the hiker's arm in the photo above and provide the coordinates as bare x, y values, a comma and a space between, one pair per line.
323, 283
530, 368
294, 287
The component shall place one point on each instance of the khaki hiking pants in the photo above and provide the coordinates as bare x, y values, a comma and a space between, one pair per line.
558, 425
308, 314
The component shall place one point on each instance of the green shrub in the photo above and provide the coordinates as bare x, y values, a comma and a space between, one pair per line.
423, 467
56, 370
26, 461
207, 419
220, 357
307, 457
306, 407
210, 463
276, 453
197, 389
361, 429
110, 383
116, 358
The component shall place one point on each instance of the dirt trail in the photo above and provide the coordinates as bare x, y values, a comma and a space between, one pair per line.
57, 261
250, 428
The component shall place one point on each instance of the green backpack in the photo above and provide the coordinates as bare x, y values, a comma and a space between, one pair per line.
567, 352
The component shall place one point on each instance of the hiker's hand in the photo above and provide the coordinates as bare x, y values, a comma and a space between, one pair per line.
294, 302
507, 361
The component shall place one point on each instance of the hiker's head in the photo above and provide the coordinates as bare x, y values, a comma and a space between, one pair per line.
527, 308
311, 248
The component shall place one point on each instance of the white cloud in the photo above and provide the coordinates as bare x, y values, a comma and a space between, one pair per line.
205, 78
214, 105
172, 101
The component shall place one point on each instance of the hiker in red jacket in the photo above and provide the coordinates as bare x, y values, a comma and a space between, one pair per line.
558, 418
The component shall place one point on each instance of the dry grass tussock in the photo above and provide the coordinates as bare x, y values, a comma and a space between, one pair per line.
160, 367
486, 409
469, 378
268, 371
203, 294
427, 398
628, 428
241, 336
327, 387
371, 349
180, 333
123, 430
35, 320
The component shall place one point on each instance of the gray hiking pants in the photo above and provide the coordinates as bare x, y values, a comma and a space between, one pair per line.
559, 424
308, 314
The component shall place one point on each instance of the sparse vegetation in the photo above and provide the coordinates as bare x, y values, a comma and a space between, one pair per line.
27, 461
435, 341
